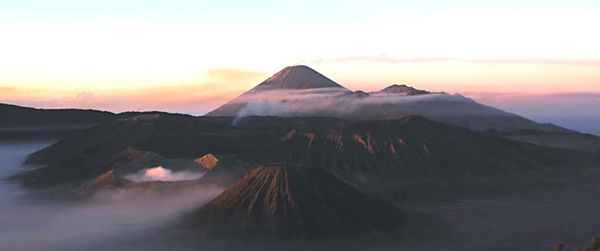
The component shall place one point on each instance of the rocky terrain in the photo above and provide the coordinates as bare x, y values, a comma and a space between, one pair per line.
407, 158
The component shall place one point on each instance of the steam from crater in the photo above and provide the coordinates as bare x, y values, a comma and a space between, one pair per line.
160, 173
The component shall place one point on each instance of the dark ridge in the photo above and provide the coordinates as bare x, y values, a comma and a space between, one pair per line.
17, 116
395, 157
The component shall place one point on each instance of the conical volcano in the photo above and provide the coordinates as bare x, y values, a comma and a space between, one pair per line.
290, 79
296, 77
299, 91
290, 201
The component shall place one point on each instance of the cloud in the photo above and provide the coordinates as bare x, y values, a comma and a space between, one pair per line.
214, 88
382, 58
336, 102
577, 111
232, 75
4, 90
388, 59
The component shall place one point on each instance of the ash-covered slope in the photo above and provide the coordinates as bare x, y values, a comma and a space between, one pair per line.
290, 201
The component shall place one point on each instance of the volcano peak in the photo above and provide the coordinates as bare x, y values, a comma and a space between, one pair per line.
403, 89
297, 77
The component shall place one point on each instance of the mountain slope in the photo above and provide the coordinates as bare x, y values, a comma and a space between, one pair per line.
574, 141
411, 155
289, 201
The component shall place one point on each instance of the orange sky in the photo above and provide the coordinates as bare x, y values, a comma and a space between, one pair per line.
215, 86
190, 56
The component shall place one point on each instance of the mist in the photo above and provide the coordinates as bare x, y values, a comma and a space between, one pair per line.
30, 223
335, 102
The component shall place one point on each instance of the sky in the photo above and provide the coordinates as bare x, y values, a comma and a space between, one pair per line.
191, 56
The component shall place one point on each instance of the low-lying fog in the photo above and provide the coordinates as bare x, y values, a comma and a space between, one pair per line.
123, 220
30, 224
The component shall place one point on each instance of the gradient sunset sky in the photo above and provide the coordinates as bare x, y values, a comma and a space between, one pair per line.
191, 56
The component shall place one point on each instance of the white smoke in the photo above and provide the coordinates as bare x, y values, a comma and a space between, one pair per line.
160, 173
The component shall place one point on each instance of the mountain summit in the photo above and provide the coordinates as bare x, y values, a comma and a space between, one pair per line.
296, 77
291, 78
403, 89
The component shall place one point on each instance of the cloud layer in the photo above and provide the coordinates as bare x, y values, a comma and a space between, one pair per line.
338, 102
215, 87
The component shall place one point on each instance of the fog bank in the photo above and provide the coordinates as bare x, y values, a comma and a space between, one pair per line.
31, 224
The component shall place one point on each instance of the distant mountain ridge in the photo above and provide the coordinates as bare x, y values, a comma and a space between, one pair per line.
13, 115
297, 91
21, 116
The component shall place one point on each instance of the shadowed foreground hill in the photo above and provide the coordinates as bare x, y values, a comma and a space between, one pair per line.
289, 201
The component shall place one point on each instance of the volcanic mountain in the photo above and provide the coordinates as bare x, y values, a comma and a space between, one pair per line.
299, 91
289, 201
403, 89
411, 156
296, 78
